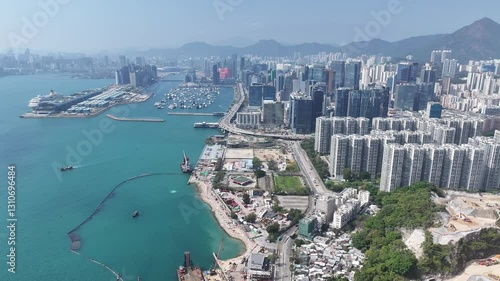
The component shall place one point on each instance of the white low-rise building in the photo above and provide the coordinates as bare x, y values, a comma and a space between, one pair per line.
345, 213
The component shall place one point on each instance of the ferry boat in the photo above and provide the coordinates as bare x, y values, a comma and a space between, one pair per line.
185, 165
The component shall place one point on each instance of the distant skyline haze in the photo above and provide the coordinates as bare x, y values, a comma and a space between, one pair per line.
94, 26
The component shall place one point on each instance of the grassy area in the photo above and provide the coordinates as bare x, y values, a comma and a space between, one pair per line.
289, 185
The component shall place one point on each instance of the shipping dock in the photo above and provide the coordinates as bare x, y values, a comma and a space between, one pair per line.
189, 272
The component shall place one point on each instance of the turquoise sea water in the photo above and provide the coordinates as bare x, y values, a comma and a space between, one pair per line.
106, 152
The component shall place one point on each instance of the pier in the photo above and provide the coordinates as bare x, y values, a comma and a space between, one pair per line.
211, 125
134, 119
196, 113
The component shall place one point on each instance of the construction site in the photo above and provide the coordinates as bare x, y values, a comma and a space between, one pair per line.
466, 213
481, 269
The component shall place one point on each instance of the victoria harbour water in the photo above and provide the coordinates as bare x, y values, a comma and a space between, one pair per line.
50, 203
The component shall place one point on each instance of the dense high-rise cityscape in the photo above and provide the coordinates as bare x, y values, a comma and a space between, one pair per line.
295, 141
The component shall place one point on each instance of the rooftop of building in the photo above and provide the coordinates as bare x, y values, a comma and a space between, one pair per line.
300, 96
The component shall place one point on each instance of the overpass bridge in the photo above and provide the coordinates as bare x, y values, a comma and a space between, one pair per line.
225, 122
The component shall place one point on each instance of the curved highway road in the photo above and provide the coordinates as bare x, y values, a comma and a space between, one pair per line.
225, 122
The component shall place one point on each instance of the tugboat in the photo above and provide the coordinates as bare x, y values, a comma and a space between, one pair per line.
185, 165
135, 214
67, 168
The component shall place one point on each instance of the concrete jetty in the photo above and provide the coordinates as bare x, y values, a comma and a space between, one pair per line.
134, 119
196, 113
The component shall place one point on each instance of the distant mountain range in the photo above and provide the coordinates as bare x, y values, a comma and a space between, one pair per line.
479, 40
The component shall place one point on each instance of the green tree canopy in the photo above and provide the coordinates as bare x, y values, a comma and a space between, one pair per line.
257, 164
273, 228
246, 198
272, 165
251, 218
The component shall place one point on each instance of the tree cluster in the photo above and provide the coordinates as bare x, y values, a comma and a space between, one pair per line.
257, 168
251, 218
295, 215
320, 165
387, 257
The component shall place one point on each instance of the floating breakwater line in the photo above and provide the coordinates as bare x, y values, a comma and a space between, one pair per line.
75, 238
118, 277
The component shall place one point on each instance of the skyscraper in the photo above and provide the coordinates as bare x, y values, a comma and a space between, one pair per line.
368, 103
242, 63
405, 97
273, 113
406, 72
338, 155
341, 101
301, 112
234, 66
352, 75
323, 134
268, 92
255, 95
436, 56
472, 170
439, 56
318, 97
434, 110
452, 166
433, 163
372, 155
392, 167
428, 74
450, 68
288, 87
338, 68
355, 154
280, 82
140, 61
412, 165
122, 60
215, 75
491, 167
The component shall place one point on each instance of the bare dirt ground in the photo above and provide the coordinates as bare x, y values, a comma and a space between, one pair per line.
466, 213
272, 154
475, 269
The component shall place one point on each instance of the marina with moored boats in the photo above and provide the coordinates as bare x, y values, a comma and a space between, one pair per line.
195, 97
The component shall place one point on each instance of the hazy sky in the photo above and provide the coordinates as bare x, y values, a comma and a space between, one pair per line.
92, 25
